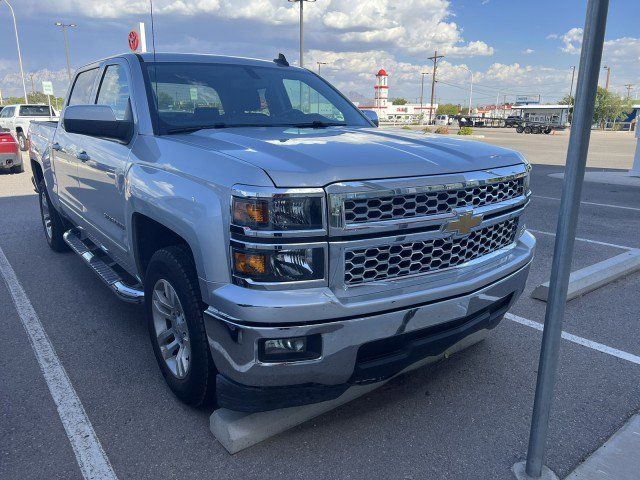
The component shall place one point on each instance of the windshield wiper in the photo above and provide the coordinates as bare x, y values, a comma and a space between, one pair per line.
319, 124
195, 129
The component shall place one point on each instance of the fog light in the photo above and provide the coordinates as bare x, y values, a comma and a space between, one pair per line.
290, 349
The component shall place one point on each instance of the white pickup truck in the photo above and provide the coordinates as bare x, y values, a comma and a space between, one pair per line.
18, 118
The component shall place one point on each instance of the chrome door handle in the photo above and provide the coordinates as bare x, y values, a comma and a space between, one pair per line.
56, 146
82, 156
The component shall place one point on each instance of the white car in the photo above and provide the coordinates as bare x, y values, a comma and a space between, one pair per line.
18, 118
443, 120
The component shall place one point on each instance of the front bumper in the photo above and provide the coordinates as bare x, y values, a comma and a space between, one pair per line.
357, 349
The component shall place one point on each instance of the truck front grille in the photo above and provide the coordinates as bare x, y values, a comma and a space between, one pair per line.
385, 262
392, 207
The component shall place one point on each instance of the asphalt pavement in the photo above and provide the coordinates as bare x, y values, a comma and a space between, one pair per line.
466, 417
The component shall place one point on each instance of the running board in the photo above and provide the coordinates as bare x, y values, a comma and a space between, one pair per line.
128, 293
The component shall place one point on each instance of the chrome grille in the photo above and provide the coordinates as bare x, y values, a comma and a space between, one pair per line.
391, 207
384, 262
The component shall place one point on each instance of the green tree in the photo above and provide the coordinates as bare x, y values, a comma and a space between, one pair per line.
609, 106
399, 101
448, 109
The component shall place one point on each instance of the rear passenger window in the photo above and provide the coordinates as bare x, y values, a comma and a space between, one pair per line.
114, 90
81, 93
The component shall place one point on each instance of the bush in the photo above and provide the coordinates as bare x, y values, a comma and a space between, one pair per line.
465, 131
442, 130
427, 130
406, 127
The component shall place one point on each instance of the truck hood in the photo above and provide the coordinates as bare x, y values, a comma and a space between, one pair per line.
306, 157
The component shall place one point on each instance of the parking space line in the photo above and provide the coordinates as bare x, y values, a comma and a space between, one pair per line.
91, 458
595, 204
578, 340
587, 240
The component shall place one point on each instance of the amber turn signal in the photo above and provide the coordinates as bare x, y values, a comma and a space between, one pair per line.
250, 212
250, 263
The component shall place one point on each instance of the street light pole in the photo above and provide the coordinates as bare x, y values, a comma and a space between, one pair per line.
319, 64
64, 27
608, 69
15, 28
470, 87
301, 2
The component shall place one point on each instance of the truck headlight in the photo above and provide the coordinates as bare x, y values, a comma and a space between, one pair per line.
256, 209
278, 263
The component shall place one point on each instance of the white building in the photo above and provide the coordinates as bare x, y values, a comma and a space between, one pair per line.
387, 112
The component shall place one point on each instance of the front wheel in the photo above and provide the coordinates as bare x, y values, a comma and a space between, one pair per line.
175, 321
527, 130
519, 129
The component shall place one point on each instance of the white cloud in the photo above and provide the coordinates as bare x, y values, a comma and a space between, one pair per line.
572, 41
528, 51
12, 82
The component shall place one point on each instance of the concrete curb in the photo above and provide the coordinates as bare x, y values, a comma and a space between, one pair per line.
595, 276
237, 431
617, 459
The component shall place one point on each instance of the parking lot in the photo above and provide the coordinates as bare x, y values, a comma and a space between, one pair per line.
466, 417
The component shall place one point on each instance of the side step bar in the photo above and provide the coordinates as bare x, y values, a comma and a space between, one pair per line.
128, 293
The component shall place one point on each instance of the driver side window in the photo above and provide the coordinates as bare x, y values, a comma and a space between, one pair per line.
309, 100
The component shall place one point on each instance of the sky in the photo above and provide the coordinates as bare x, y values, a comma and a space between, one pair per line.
513, 47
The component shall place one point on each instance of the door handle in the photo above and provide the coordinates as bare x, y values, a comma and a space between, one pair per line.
82, 156
56, 146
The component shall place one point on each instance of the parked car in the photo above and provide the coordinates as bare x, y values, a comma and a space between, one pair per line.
285, 250
443, 120
17, 118
513, 121
10, 158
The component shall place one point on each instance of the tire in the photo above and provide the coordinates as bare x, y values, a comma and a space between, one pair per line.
175, 319
527, 130
519, 129
17, 168
547, 130
52, 223
535, 130
22, 141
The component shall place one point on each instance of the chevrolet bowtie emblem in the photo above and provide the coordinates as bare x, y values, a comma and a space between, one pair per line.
463, 224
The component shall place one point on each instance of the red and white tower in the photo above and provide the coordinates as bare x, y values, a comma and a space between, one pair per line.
381, 90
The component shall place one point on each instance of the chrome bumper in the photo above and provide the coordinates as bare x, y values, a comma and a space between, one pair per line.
244, 317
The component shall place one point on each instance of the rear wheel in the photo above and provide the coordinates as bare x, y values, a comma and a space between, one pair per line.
17, 168
22, 141
175, 321
52, 222
519, 129
535, 130
527, 130
547, 130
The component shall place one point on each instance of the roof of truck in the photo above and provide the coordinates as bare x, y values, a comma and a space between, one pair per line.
193, 57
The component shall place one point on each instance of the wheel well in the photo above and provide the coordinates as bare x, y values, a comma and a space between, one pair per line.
150, 236
37, 172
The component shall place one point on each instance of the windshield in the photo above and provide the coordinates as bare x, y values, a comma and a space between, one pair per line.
35, 111
191, 96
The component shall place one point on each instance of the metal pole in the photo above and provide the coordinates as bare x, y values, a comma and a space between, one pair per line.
15, 28
66, 48
301, 33
571, 102
470, 92
588, 73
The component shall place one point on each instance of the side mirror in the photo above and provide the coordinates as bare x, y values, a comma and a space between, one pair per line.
372, 117
97, 121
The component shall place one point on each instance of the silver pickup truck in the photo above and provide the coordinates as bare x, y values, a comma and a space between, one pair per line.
284, 247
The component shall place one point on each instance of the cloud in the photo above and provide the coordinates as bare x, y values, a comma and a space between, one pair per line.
553, 36
13, 81
528, 51
572, 41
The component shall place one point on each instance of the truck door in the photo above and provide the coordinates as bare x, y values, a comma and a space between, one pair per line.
67, 146
103, 165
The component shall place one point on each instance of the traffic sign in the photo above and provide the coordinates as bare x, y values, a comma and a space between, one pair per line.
134, 40
47, 87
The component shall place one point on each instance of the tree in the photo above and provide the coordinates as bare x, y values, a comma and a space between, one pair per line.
448, 109
609, 106
399, 101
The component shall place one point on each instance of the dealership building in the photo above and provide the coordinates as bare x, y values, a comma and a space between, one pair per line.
387, 112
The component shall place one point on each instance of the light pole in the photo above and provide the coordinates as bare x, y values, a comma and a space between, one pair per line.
606, 85
64, 27
301, 2
470, 87
573, 74
319, 64
15, 28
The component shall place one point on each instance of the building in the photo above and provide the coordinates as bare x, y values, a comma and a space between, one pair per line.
387, 112
556, 114
493, 111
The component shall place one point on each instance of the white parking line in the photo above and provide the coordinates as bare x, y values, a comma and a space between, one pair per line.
92, 460
629, 357
635, 209
587, 240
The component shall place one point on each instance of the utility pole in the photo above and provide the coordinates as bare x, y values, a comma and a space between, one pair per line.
422, 96
319, 64
301, 2
435, 59
629, 86
15, 28
573, 74
608, 69
64, 27
33, 85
